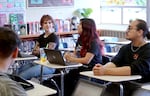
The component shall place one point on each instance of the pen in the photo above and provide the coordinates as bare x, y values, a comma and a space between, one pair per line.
46, 46
24, 83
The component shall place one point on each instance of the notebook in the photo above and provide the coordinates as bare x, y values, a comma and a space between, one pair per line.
88, 88
56, 57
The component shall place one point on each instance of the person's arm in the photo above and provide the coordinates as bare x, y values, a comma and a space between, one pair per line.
51, 45
53, 41
84, 60
36, 49
114, 67
111, 69
123, 71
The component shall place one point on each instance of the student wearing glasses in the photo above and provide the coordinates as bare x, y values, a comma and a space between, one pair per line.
132, 59
48, 39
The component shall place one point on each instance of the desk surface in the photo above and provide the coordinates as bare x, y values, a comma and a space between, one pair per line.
111, 78
119, 42
147, 87
56, 66
40, 90
112, 54
27, 58
123, 42
67, 49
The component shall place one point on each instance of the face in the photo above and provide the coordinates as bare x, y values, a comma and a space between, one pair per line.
47, 25
132, 33
80, 28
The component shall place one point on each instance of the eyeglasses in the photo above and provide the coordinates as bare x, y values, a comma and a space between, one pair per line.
129, 28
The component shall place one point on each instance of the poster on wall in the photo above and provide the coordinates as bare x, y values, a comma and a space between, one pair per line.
50, 3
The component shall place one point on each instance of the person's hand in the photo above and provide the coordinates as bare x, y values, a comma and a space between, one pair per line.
69, 57
51, 45
98, 70
66, 55
36, 51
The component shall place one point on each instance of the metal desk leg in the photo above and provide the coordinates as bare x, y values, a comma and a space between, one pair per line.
41, 75
62, 83
121, 89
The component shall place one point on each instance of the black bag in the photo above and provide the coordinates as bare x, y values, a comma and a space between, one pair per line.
25, 84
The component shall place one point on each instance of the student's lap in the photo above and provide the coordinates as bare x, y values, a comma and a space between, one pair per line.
34, 70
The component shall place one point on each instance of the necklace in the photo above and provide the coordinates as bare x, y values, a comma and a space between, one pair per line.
135, 49
46, 35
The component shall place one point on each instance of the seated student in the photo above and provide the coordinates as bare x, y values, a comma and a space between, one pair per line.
89, 48
47, 39
132, 59
9, 42
88, 51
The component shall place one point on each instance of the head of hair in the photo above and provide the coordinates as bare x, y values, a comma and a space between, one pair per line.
142, 25
46, 18
88, 28
9, 41
89, 33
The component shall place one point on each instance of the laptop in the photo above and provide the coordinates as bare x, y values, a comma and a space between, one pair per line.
88, 88
56, 57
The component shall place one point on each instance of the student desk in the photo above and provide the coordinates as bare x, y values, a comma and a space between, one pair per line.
40, 90
113, 79
67, 49
15, 66
147, 87
119, 42
122, 42
111, 54
26, 58
61, 68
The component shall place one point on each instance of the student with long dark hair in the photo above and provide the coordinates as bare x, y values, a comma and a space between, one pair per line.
88, 51
89, 48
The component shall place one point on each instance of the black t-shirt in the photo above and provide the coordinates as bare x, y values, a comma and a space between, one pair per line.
94, 49
51, 38
139, 61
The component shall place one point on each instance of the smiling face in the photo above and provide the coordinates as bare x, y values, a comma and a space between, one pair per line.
132, 32
47, 25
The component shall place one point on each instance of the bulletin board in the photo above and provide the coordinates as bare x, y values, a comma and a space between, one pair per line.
12, 5
49, 3
12, 9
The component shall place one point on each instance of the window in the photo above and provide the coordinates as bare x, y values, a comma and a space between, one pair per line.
122, 11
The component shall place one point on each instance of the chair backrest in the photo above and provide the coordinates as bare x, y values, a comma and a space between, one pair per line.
88, 88
105, 59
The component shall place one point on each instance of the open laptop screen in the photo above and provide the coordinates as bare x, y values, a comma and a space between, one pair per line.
88, 88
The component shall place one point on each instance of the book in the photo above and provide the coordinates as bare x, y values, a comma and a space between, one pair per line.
3, 19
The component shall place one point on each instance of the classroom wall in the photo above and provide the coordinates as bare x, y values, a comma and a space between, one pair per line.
35, 13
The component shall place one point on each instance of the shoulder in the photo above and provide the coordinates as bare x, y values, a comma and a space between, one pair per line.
126, 47
147, 45
53, 34
11, 85
42, 35
95, 42
146, 48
